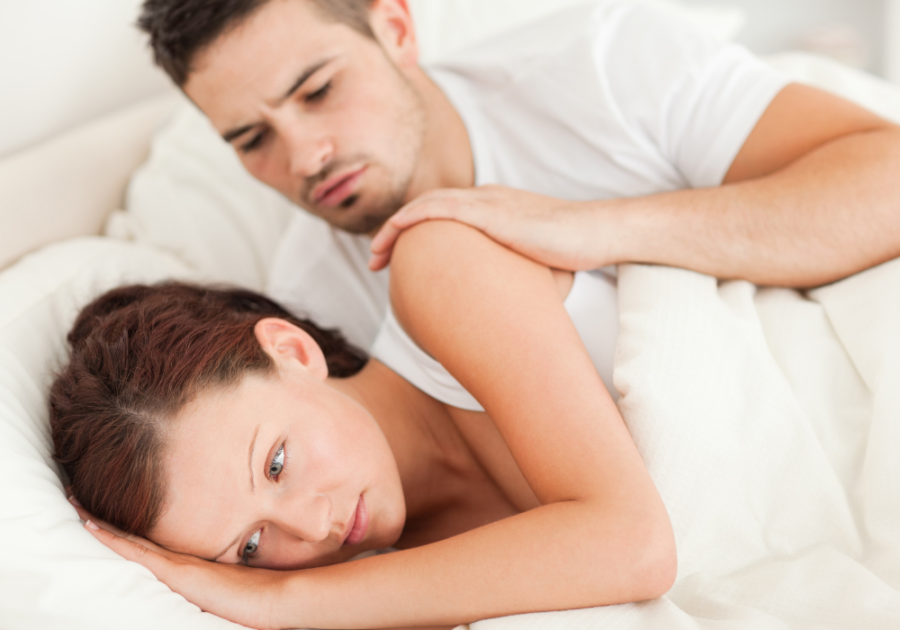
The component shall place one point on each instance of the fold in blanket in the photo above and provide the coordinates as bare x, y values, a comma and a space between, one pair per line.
770, 421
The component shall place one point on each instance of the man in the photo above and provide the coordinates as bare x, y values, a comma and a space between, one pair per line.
629, 139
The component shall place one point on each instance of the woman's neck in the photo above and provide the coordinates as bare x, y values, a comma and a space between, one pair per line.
428, 449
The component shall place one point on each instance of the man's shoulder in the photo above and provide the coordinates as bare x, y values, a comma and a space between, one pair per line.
526, 42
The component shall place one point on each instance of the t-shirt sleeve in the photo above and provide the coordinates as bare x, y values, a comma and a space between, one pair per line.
692, 96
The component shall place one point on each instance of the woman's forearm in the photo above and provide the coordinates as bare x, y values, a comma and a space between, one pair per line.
559, 556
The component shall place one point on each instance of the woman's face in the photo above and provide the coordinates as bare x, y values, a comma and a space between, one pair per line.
280, 472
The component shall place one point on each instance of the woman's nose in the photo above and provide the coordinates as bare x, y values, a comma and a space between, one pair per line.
308, 517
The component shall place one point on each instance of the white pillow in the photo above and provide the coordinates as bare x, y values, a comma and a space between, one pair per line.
873, 93
85, 171
53, 573
445, 27
194, 198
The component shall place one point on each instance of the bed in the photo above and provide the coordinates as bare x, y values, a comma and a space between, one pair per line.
767, 417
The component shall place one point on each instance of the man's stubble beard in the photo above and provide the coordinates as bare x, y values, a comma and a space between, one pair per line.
411, 121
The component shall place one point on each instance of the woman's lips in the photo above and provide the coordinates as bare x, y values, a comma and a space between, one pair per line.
360, 524
337, 189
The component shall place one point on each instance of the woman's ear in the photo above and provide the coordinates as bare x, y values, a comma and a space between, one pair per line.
289, 345
393, 26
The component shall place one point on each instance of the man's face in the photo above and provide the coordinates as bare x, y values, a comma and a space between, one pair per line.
316, 110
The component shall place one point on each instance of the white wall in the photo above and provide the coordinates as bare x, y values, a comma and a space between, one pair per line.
67, 61
775, 25
892, 41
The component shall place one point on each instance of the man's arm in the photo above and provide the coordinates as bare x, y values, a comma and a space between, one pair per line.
813, 196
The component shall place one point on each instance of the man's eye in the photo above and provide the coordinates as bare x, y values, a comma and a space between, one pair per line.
319, 94
253, 143
277, 464
251, 547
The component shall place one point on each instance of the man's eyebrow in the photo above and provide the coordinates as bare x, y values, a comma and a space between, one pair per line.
310, 70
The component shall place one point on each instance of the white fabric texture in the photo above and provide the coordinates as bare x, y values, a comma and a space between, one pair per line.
768, 420
312, 261
193, 198
592, 304
445, 28
54, 574
85, 171
617, 101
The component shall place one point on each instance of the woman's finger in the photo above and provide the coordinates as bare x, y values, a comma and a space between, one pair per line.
85, 516
129, 549
104, 526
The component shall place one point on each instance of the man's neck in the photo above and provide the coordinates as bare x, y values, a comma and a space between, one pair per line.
446, 158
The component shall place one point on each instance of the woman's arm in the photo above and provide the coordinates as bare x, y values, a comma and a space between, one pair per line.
496, 322
602, 535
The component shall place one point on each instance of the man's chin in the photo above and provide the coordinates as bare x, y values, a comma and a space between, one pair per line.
356, 221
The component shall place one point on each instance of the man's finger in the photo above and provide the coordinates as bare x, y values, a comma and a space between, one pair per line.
383, 242
379, 261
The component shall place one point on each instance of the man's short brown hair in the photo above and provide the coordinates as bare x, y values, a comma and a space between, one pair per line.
179, 29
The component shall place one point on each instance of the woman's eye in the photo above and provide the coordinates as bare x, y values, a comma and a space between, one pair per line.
319, 94
277, 464
252, 546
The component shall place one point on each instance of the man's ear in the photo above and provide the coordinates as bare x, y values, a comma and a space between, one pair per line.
290, 346
394, 29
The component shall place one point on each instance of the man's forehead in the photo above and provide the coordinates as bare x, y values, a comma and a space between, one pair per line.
261, 57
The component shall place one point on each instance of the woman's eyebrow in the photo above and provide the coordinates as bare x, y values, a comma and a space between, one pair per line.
224, 551
252, 487
250, 459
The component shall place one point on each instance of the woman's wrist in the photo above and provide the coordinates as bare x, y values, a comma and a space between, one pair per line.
292, 602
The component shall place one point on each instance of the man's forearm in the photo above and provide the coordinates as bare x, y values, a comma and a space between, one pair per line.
831, 213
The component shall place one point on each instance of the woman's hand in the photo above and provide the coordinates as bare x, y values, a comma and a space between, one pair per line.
559, 234
237, 593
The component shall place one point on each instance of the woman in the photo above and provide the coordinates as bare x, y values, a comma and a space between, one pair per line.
270, 461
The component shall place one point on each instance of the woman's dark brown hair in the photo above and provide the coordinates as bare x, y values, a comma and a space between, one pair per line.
137, 355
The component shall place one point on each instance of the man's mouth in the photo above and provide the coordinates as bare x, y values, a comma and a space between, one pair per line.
336, 190
359, 525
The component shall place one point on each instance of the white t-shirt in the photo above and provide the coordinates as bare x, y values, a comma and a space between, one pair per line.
595, 102
591, 303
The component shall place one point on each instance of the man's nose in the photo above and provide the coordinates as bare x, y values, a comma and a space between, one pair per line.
310, 149
308, 517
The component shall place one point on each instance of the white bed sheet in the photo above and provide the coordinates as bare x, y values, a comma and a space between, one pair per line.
770, 422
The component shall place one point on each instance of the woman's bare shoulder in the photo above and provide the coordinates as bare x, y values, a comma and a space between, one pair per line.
443, 271
439, 247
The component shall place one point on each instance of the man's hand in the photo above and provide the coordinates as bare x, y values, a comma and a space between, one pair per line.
557, 233
240, 594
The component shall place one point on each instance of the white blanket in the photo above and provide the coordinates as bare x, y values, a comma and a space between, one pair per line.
770, 421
